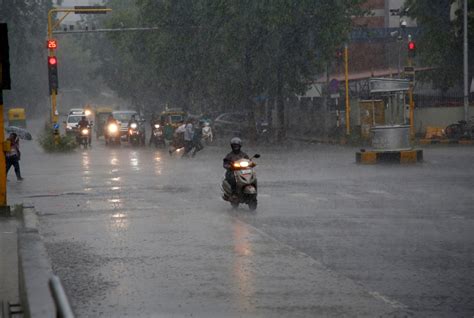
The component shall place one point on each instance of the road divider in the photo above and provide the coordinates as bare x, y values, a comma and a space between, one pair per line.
446, 141
401, 156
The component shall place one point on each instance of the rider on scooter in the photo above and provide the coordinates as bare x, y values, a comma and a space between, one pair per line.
234, 155
84, 123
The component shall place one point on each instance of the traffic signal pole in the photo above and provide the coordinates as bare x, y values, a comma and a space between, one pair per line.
466, 63
411, 54
54, 90
4, 84
412, 104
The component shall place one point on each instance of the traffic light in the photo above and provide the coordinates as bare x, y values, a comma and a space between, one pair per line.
411, 48
4, 58
53, 73
51, 44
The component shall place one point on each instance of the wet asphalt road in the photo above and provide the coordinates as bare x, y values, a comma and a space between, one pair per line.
133, 232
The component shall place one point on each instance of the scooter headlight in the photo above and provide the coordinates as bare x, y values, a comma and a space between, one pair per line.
244, 164
112, 128
88, 112
157, 126
133, 126
85, 131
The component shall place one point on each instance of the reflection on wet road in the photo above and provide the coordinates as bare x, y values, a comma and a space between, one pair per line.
243, 267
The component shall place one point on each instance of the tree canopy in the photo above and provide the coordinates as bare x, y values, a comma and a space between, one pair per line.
27, 21
219, 53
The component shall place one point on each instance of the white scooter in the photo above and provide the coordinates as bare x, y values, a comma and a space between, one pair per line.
207, 135
246, 179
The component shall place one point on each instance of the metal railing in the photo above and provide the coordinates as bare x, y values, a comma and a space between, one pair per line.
63, 308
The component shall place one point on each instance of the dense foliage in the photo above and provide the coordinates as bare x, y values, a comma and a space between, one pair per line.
218, 54
27, 21
441, 41
65, 143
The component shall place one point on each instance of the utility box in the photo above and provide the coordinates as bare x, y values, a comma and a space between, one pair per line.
372, 113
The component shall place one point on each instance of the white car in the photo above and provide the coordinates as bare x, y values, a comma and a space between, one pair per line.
71, 123
76, 111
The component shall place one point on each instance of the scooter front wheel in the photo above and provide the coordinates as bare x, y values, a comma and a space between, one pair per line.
253, 205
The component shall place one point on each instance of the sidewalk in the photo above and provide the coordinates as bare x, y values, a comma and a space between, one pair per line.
8, 260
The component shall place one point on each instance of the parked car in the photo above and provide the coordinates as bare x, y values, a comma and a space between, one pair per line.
235, 124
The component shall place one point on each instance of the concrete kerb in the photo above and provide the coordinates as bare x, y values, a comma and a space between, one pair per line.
34, 269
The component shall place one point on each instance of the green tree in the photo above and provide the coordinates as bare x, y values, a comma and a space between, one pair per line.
222, 53
27, 37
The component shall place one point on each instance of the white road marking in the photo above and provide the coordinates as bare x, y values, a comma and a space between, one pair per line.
395, 304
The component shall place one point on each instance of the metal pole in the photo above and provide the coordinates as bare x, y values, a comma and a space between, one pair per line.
466, 71
399, 58
54, 117
51, 26
346, 75
63, 309
412, 104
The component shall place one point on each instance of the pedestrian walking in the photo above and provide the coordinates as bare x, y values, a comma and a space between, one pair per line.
178, 139
13, 156
197, 140
188, 138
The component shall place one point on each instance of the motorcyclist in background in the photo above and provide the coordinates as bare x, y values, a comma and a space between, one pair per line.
234, 155
84, 123
132, 120
154, 120
111, 120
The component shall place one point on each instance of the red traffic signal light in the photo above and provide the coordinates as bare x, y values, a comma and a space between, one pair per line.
411, 48
53, 74
52, 44
52, 60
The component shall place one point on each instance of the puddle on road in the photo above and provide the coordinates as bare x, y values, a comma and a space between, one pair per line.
242, 269
134, 161
117, 224
114, 159
158, 164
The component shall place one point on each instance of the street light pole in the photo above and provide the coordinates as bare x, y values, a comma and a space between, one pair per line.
466, 70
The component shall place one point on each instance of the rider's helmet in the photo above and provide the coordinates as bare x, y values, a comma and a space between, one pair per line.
84, 118
236, 144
